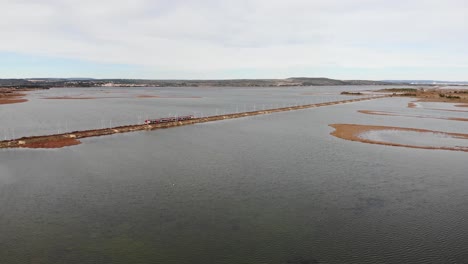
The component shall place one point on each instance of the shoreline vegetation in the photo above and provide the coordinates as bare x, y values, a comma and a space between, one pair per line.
351, 93
72, 138
430, 95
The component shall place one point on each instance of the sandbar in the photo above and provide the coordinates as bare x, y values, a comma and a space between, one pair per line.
412, 105
11, 96
12, 101
352, 132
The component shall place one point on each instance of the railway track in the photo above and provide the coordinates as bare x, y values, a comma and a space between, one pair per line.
72, 138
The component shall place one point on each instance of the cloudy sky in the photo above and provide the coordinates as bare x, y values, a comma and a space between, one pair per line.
215, 39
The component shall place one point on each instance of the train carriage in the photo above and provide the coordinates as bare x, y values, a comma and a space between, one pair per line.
168, 119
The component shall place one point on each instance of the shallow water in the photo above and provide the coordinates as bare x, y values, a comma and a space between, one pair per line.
266, 189
122, 106
413, 138
441, 106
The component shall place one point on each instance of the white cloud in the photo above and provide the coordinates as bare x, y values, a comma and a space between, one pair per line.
228, 35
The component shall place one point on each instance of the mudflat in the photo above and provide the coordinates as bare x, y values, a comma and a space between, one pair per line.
11, 96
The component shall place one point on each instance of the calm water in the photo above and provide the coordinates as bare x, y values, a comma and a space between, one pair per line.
267, 189
426, 139
122, 106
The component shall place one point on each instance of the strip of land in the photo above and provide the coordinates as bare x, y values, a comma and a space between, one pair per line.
412, 105
353, 132
70, 139
11, 96
430, 95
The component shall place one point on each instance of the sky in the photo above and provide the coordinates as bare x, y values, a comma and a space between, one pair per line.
223, 39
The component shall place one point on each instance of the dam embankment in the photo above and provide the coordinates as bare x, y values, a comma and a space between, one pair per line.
72, 138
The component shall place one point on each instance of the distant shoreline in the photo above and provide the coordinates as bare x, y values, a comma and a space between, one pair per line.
431, 95
289, 82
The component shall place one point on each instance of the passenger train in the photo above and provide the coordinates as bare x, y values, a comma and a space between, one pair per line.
168, 119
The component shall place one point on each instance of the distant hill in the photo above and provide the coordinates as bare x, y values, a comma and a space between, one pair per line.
89, 82
327, 81
15, 82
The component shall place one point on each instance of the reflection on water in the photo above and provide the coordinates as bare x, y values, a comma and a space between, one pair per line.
274, 189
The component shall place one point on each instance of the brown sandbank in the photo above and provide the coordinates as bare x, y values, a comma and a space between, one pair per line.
11, 96
442, 96
58, 143
12, 101
430, 95
352, 132
412, 105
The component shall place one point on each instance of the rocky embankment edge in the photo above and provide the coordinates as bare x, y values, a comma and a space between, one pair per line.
72, 138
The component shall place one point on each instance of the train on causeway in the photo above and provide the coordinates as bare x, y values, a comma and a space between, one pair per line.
168, 119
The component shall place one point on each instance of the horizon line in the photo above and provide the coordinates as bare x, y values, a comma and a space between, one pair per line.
231, 79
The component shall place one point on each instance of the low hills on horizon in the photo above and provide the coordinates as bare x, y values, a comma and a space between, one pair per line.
288, 82
90, 82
